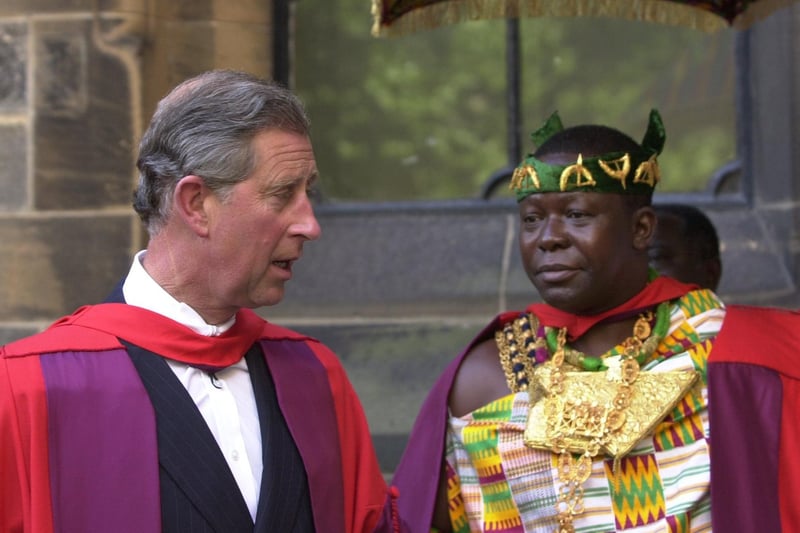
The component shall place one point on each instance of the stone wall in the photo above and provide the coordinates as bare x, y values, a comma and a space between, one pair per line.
68, 120
395, 290
78, 81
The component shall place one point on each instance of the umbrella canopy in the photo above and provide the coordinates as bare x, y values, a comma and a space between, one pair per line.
395, 17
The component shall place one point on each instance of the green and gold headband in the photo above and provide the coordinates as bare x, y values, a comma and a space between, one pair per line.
616, 172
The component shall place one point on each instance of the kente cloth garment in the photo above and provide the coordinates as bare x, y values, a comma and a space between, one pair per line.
753, 397
78, 434
498, 484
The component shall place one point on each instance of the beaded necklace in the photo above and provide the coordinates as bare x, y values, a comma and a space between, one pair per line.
640, 345
523, 345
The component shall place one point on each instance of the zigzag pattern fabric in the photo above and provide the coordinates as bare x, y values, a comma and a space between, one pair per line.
636, 491
662, 485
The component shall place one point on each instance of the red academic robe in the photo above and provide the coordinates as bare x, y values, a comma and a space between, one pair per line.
78, 447
754, 419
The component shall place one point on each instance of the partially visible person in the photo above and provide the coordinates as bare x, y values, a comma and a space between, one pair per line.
174, 407
627, 401
686, 246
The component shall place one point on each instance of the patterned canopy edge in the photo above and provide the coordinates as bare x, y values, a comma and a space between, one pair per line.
400, 17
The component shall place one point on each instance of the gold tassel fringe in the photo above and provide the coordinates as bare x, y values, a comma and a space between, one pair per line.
447, 12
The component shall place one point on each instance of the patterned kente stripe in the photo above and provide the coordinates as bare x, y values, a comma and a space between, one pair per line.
637, 493
481, 442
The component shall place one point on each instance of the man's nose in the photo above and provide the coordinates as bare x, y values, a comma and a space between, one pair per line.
552, 233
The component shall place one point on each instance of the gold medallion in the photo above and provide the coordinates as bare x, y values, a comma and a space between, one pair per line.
599, 411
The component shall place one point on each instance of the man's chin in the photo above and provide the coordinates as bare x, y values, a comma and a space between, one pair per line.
561, 298
273, 296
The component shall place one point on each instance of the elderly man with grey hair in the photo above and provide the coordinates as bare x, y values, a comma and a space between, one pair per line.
173, 406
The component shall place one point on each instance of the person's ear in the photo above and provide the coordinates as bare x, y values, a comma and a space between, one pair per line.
189, 203
644, 227
713, 268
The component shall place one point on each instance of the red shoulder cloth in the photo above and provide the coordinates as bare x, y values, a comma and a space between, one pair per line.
762, 336
659, 290
152, 332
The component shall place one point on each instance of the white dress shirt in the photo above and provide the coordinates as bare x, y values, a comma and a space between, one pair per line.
225, 399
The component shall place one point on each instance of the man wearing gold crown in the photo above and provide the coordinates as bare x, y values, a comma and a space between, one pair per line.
619, 402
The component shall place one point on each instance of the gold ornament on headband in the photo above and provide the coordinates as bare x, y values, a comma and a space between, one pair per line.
617, 169
648, 172
624, 172
583, 178
520, 173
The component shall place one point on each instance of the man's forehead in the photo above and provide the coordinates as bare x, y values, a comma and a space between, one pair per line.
613, 201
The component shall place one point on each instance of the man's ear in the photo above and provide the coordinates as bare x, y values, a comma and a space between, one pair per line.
713, 269
644, 227
190, 205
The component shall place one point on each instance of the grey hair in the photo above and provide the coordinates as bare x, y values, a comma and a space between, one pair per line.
204, 127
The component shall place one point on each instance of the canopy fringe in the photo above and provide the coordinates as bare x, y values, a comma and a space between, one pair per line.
422, 15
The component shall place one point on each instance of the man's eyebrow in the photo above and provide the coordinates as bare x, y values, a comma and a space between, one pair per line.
290, 182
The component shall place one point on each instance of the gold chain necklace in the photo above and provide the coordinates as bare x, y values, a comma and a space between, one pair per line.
596, 422
579, 415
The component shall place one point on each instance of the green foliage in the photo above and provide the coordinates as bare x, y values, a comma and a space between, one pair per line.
425, 116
